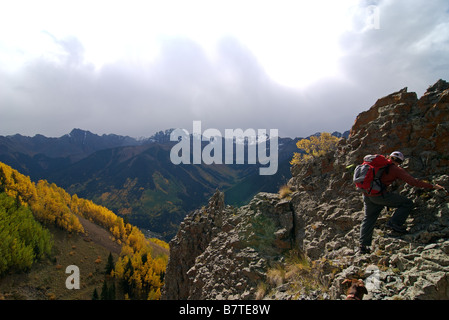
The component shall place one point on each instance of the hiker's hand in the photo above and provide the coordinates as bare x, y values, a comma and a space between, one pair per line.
438, 187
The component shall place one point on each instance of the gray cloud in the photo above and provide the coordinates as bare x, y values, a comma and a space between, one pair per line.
231, 90
407, 50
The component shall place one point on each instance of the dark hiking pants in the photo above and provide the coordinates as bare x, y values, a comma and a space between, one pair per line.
373, 207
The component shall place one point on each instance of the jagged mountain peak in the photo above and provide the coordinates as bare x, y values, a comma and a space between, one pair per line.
439, 86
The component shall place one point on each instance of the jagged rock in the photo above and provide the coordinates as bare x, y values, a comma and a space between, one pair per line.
328, 226
222, 252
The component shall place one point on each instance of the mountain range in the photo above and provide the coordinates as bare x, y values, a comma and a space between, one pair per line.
135, 177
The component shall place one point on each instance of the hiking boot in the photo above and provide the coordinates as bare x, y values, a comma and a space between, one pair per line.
364, 250
395, 227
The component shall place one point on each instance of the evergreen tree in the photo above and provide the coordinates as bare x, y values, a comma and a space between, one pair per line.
2, 180
112, 291
95, 295
144, 258
104, 291
22, 239
109, 264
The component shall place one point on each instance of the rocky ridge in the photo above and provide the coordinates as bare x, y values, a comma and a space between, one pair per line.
222, 252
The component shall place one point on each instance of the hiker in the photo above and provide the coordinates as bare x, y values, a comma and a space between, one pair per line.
374, 203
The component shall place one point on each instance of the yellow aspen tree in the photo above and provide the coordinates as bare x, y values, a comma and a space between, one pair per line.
314, 147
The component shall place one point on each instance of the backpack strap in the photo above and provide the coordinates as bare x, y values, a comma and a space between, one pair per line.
377, 178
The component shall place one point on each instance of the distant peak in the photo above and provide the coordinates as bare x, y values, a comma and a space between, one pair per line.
77, 131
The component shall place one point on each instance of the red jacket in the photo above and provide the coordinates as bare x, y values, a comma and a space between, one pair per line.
395, 172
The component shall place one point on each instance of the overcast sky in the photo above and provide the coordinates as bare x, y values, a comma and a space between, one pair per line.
137, 67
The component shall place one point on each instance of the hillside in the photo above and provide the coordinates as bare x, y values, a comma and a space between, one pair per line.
142, 184
44, 230
303, 243
46, 279
135, 178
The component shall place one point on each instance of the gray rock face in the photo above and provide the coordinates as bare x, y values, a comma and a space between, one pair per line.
222, 252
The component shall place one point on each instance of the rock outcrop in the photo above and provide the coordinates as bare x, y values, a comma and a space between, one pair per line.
221, 252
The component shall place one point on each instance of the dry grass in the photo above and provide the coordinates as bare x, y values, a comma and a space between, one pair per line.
261, 291
285, 192
276, 276
297, 272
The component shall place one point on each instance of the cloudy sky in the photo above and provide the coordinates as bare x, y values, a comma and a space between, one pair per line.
136, 67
